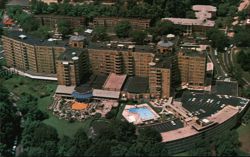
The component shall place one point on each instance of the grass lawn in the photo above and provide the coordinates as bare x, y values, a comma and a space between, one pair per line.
44, 91
64, 127
19, 85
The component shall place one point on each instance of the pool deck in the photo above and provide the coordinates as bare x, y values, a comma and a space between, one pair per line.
135, 118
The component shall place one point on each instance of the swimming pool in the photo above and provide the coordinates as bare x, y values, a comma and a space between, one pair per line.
144, 112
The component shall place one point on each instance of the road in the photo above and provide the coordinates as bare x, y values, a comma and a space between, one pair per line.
221, 73
229, 63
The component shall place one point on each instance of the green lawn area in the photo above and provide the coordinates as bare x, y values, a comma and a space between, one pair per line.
37, 88
44, 91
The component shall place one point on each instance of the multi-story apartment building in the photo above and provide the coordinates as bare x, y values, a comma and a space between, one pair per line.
118, 58
200, 24
30, 54
71, 66
160, 65
52, 20
113, 21
192, 66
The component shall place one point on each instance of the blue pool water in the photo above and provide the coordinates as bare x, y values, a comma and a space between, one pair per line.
144, 112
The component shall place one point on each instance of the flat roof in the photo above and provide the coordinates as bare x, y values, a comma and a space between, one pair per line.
136, 84
203, 105
62, 89
77, 38
219, 117
163, 43
114, 82
94, 82
226, 87
106, 94
166, 126
210, 66
71, 53
119, 47
190, 22
33, 40
191, 53
208, 8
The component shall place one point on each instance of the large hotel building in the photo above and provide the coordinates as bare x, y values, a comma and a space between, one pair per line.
162, 66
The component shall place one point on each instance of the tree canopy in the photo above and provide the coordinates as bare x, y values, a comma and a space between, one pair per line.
218, 39
122, 29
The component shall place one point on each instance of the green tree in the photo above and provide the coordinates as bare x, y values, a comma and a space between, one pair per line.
228, 144
201, 148
149, 135
100, 33
138, 36
64, 27
9, 123
240, 37
135, 150
81, 142
119, 150
122, 29
243, 58
218, 39
65, 147
43, 32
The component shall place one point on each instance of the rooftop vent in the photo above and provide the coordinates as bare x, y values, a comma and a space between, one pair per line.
75, 58
22, 36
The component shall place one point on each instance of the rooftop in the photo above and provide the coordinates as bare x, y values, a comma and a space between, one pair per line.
184, 132
94, 82
20, 36
204, 105
62, 89
136, 85
166, 126
190, 22
226, 87
191, 53
163, 43
106, 94
114, 82
208, 8
77, 38
163, 61
71, 54
120, 47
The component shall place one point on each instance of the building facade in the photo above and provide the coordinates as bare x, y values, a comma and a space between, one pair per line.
192, 66
161, 64
72, 65
30, 55
52, 20
113, 21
